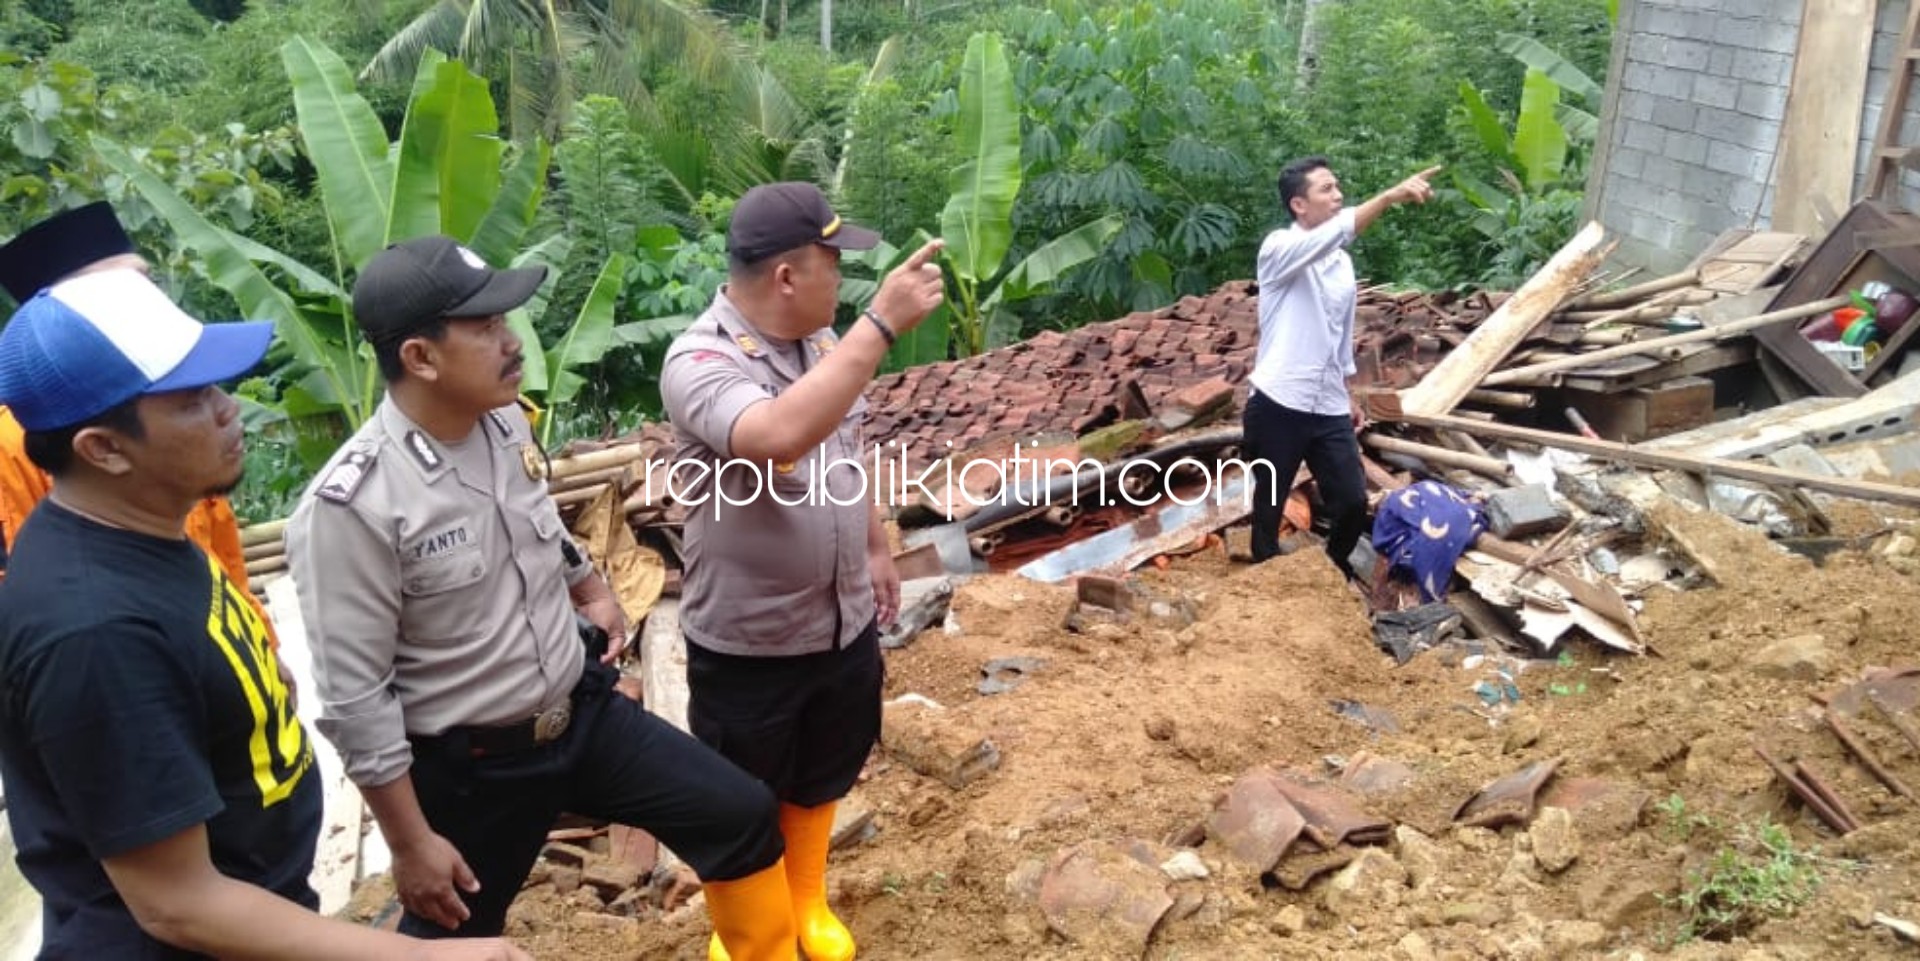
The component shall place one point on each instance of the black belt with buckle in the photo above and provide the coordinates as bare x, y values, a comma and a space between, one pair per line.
542, 728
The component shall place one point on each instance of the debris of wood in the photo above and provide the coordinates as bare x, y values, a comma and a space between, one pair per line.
1467, 366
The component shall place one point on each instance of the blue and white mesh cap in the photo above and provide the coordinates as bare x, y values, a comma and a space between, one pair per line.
89, 344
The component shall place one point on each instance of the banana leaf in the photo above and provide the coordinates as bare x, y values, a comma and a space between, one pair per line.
1486, 124
587, 339
232, 270
1036, 274
925, 344
1539, 142
1581, 126
1562, 71
978, 220
549, 253
347, 145
446, 171
653, 331
505, 225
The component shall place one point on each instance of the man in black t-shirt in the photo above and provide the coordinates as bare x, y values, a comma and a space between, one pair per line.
160, 789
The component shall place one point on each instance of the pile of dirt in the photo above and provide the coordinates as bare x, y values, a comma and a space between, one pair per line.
1134, 730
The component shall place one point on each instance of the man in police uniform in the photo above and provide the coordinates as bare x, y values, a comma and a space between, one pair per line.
789, 574
439, 589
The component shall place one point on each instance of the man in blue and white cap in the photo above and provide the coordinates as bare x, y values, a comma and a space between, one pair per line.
161, 791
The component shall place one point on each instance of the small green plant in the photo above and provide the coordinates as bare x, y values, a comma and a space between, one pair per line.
1757, 876
1680, 823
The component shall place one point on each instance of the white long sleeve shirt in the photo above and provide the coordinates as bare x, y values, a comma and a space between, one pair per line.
1307, 298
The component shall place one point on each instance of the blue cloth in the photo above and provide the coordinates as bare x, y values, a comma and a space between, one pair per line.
1422, 529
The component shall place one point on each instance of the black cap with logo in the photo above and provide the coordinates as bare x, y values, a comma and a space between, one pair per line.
775, 218
416, 282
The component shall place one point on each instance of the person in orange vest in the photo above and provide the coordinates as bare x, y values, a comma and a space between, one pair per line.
81, 241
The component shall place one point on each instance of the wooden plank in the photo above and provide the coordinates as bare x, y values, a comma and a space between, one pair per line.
1821, 133
1635, 372
1640, 457
1661, 344
1461, 370
663, 659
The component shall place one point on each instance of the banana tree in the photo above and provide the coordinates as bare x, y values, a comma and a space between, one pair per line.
977, 222
1532, 160
445, 174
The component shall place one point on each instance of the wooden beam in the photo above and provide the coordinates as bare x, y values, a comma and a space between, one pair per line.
1668, 460
1661, 344
1496, 337
1821, 133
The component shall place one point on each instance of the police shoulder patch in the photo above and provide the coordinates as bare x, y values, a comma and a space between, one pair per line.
344, 480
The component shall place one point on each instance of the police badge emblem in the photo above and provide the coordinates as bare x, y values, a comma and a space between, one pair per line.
535, 461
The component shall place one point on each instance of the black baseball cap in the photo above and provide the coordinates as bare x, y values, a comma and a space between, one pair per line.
775, 218
416, 282
57, 246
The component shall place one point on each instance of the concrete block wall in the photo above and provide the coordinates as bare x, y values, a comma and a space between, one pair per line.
1690, 127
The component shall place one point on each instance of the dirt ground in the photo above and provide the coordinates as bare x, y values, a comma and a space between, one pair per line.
1133, 731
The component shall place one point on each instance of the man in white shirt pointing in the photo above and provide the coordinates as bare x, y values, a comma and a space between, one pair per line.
1299, 409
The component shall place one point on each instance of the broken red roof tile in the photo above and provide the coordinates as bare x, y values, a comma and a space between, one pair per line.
1068, 382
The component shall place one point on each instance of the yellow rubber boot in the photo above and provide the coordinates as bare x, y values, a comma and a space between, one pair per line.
752, 917
809, 831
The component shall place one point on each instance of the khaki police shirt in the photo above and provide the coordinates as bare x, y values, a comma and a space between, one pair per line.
776, 554
433, 582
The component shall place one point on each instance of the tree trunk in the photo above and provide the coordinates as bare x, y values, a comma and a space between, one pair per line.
783, 20
826, 26
1309, 60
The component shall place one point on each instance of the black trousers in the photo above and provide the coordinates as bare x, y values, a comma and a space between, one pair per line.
804, 724
616, 762
1285, 437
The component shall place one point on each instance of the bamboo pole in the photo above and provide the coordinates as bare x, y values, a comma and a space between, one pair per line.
1505, 399
1628, 295
263, 532
1486, 466
1664, 301
616, 456
1660, 345
1627, 453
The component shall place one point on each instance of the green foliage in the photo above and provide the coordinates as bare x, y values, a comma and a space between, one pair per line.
977, 223
1163, 115
978, 220
1757, 876
47, 110
1526, 220
1679, 823
32, 27
158, 45
443, 176
1386, 100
